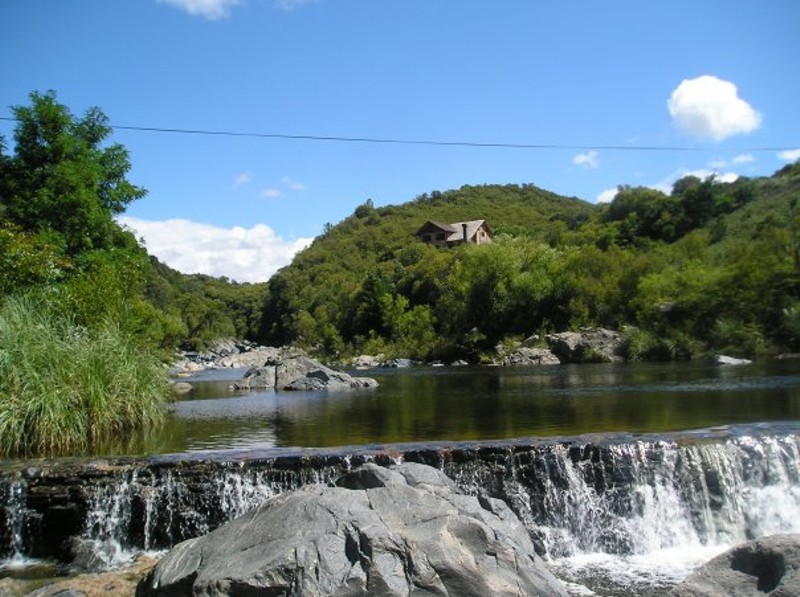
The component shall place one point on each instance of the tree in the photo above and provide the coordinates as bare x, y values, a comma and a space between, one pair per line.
60, 180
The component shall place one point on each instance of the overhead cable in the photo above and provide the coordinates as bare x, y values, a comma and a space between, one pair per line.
430, 142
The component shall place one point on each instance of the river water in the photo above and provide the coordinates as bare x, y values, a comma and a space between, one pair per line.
688, 458
487, 403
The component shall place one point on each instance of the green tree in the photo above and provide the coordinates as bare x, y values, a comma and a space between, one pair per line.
62, 180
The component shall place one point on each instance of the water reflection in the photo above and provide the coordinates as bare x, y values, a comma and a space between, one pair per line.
435, 404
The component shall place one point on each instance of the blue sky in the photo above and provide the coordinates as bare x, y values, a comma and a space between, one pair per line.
597, 83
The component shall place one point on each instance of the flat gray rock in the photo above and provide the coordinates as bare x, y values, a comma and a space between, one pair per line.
391, 532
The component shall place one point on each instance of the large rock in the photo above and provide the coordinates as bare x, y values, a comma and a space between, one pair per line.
530, 356
252, 358
366, 361
768, 566
590, 345
297, 371
379, 532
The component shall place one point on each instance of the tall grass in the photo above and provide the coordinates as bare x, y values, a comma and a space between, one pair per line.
64, 387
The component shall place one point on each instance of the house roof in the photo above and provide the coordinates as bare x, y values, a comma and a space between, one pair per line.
454, 231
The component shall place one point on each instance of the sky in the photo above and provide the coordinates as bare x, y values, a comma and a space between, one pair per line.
253, 123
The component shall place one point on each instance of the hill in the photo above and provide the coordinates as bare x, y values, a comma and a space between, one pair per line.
710, 266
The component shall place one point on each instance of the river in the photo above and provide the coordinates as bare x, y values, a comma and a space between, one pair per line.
628, 476
477, 403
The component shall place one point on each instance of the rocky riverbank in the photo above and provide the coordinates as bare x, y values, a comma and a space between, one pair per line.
268, 368
587, 345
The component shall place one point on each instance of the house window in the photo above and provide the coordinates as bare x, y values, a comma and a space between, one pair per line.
440, 236
426, 238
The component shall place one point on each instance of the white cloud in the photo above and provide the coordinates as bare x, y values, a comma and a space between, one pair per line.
241, 254
790, 155
710, 108
293, 184
587, 160
271, 193
210, 9
607, 196
242, 179
744, 158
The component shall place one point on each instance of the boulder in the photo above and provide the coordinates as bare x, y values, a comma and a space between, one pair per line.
252, 358
299, 372
257, 378
182, 387
722, 359
589, 345
388, 532
530, 356
327, 379
399, 364
366, 361
767, 566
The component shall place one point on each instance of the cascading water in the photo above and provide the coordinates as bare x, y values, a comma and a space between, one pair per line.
646, 512
13, 496
621, 515
153, 509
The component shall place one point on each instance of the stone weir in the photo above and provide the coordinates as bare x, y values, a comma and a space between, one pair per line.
616, 494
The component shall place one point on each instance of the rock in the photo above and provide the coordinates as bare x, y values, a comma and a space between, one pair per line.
253, 358
366, 361
590, 345
299, 372
327, 379
379, 532
767, 566
257, 378
721, 359
182, 387
530, 356
122, 581
399, 364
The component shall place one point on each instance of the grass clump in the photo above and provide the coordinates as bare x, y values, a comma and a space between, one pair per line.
64, 387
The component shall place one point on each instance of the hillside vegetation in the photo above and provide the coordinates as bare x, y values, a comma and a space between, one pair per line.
87, 318
711, 266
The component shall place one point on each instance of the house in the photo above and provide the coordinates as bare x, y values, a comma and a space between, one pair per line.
448, 235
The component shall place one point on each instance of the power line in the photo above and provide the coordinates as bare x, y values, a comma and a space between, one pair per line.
429, 142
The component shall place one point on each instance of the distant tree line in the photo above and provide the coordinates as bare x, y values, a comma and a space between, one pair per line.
60, 190
708, 267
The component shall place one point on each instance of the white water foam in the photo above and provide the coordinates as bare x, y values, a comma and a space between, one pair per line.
681, 506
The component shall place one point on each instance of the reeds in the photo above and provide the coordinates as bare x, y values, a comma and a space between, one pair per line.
64, 387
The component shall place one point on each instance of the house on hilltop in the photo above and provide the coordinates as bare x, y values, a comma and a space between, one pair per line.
448, 235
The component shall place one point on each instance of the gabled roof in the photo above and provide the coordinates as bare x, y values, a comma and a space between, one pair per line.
454, 231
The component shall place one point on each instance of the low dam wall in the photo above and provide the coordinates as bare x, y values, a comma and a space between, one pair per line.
617, 494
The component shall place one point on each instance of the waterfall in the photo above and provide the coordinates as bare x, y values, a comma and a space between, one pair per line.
586, 501
152, 509
640, 515
12, 496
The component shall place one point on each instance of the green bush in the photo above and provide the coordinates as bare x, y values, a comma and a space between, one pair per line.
64, 387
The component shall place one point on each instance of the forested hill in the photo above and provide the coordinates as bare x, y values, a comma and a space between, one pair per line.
374, 244
711, 266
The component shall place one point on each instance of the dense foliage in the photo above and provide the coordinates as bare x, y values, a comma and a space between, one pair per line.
59, 192
711, 266
86, 316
